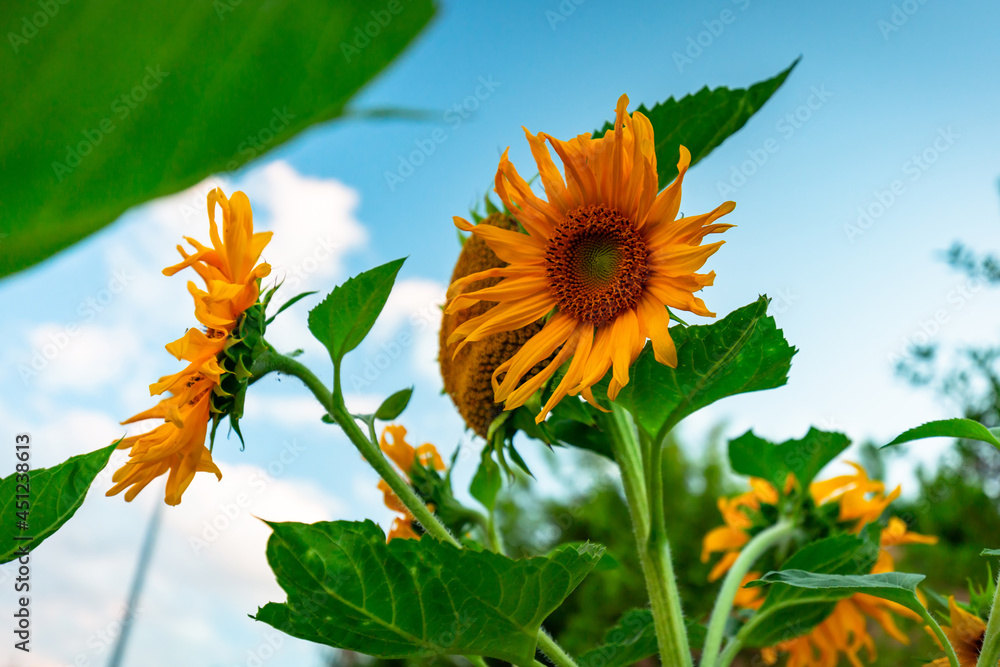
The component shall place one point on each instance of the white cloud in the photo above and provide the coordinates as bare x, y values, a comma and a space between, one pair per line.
411, 320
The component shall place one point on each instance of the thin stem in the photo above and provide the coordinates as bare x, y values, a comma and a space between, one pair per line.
653, 546
731, 585
732, 650
990, 654
553, 651
334, 404
949, 650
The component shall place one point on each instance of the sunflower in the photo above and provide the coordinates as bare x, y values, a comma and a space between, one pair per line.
468, 373
601, 259
393, 444
965, 634
231, 274
844, 632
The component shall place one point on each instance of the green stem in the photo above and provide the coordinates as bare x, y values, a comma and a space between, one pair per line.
949, 650
732, 650
653, 546
553, 651
731, 586
990, 654
334, 404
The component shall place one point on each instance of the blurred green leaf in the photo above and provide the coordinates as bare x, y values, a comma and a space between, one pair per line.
110, 104
54, 496
702, 121
755, 457
740, 353
790, 612
990, 552
348, 589
343, 319
632, 640
949, 428
898, 587
487, 481
393, 406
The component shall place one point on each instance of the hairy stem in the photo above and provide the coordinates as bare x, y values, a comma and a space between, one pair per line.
731, 585
333, 402
651, 539
990, 654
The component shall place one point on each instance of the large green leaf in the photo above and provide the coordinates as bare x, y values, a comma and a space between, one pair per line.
702, 121
949, 428
348, 589
343, 319
109, 104
54, 496
742, 352
789, 612
756, 457
898, 587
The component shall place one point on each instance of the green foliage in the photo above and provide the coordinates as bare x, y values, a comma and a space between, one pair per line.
789, 612
343, 319
167, 94
487, 481
288, 304
755, 457
631, 640
949, 428
348, 589
742, 352
54, 496
702, 121
898, 587
393, 406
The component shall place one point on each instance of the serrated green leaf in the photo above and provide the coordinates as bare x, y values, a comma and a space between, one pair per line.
789, 612
742, 352
343, 319
54, 496
181, 91
393, 406
702, 121
898, 587
949, 428
632, 640
755, 457
348, 589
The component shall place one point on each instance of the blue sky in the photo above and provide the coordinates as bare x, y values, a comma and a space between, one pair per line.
892, 111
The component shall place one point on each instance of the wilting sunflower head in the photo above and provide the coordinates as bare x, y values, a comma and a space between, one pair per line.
597, 265
965, 634
846, 503
468, 372
219, 356
409, 460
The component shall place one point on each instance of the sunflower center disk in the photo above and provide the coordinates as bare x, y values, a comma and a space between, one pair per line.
596, 264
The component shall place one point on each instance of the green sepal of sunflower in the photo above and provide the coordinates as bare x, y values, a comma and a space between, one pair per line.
435, 488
